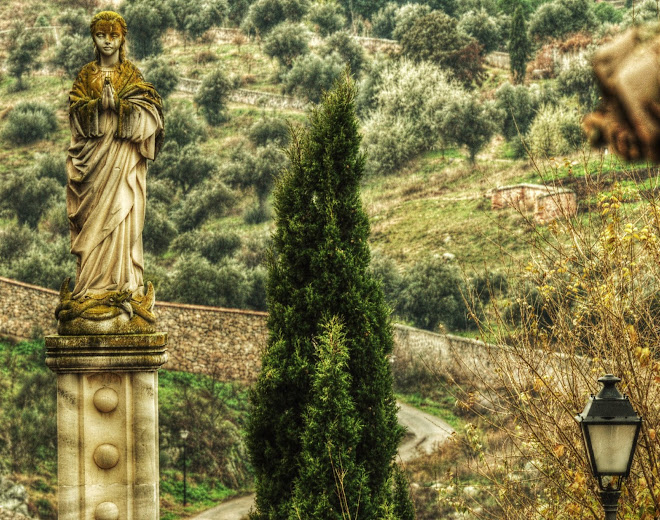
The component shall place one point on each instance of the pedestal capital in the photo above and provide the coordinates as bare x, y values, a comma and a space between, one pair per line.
106, 352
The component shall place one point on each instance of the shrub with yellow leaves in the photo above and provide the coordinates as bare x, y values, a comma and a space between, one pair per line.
596, 310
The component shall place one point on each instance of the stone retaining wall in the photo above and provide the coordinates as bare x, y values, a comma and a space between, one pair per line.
248, 97
227, 343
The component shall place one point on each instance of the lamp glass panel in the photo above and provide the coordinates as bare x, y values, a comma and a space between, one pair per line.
611, 445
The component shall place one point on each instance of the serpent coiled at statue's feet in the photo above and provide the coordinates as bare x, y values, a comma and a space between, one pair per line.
112, 312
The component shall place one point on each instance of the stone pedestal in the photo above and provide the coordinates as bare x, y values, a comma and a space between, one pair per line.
107, 424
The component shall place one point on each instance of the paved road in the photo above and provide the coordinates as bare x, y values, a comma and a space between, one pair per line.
424, 433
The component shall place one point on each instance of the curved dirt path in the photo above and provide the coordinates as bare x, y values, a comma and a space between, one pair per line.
424, 433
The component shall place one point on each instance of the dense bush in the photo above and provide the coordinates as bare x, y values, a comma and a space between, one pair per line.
183, 165
607, 13
72, 53
147, 22
517, 107
311, 75
266, 14
406, 16
211, 245
213, 95
561, 17
483, 28
554, 132
269, 129
29, 121
286, 42
406, 120
195, 280
28, 413
436, 38
194, 18
579, 80
15, 242
159, 230
162, 75
345, 46
74, 22
46, 264
326, 17
435, 293
384, 21
52, 166
210, 199
28, 196
183, 127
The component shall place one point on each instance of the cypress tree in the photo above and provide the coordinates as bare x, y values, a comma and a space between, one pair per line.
318, 270
519, 47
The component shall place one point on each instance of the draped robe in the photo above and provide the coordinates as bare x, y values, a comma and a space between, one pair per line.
106, 171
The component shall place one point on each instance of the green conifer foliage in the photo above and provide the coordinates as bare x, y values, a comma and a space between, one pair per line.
519, 47
318, 270
331, 482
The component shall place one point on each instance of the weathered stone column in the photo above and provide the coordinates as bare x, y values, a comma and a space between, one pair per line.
107, 424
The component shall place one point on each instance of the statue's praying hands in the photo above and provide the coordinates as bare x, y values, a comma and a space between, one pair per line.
108, 98
628, 120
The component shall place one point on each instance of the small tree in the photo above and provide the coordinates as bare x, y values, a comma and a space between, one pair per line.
561, 17
319, 269
286, 42
29, 121
383, 22
194, 18
517, 107
470, 122
482, 27
311, 75
436, 38
212, 97
28, 196
266, 14
326, 17
519, 47
579, 80
72, 53
24, 49
147, 22
349, 50
75, 22
183, 127
435, 293
406, 16
162, 75
183, 165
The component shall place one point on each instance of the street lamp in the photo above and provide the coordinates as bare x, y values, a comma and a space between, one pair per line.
184, 435
610, 427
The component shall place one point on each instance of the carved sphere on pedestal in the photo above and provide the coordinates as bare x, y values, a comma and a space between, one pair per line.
106, 400
106, 511
106, 456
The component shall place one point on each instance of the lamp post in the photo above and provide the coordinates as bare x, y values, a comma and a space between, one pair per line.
184, 435
610, 427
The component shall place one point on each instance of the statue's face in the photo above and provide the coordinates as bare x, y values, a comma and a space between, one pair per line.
108, 38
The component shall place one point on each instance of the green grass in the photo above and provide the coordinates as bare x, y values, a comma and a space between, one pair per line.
438, 406
201, 494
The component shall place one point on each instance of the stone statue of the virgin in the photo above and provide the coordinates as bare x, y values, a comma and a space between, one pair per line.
116, 123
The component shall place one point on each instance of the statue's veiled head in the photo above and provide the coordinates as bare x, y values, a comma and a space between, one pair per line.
108, 22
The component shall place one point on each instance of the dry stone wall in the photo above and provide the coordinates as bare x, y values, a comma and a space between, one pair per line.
227, 343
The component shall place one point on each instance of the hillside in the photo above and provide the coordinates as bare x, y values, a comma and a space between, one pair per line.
425, 200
